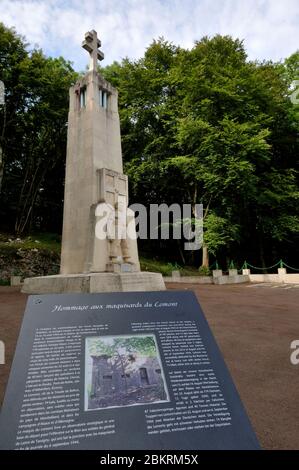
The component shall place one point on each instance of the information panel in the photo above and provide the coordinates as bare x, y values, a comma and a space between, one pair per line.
120, 371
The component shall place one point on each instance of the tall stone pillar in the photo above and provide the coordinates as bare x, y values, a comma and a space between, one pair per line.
94, 176
96, 197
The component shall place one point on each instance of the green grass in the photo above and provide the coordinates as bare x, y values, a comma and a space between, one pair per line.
52, 242
41, 241
159, 266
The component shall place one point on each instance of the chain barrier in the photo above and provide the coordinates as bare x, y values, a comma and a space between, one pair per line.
247, 265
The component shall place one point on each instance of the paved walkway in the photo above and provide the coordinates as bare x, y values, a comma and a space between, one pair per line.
273, 285
254, 326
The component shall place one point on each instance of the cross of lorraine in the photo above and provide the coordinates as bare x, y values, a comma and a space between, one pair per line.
92, 44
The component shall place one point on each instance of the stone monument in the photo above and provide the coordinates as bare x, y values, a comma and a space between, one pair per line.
97, 254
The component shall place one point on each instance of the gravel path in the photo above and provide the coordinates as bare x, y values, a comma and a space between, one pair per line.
253, 326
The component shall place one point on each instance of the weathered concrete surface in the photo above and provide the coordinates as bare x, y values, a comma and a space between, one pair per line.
279, 278
217, 273
232, 272
93, 144
235, 279
190, 279
15, 281
218, 279
94, 282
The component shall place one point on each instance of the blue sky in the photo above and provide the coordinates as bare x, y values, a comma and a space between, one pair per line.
270, 28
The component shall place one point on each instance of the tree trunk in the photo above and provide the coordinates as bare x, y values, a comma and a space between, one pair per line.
2, 134
181, 252
205, 256
261, 249
123, 371
1, 143
205, 252
25, 211
193, 209
1, 166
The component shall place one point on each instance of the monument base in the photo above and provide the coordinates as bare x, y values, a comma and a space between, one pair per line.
94, 282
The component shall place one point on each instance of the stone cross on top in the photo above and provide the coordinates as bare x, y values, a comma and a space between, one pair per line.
91, 45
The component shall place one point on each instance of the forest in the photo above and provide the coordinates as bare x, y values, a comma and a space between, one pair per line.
200, 126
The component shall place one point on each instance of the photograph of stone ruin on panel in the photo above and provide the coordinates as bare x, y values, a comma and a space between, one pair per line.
123, 371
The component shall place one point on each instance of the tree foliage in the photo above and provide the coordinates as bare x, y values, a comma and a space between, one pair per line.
208, 126
33, 134
117, 346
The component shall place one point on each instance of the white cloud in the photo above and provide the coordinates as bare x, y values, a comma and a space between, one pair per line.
126, 27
